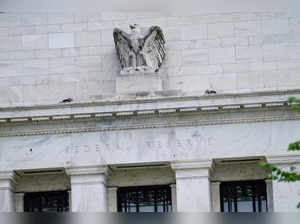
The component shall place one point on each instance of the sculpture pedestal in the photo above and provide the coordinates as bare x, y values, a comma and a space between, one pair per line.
138, 83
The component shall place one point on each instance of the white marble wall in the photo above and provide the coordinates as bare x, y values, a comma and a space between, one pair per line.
72, 55
7, 200
286, 196
147, 145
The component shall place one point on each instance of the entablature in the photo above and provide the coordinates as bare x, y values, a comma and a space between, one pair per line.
217, 103
140, 114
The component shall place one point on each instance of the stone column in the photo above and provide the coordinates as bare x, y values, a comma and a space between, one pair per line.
193, 186
88, 189
174, 197
70, 200
269, 185
112, 199
286, 196
7, 187
19, 202
215, 196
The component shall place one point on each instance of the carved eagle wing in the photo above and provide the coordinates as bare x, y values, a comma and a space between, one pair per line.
154, 47
123, 47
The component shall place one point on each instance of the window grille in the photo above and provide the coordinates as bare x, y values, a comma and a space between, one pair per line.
145, 199
249, 196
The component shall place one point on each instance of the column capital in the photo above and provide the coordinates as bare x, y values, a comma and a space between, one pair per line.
86, 170
268, 181
217, 183
192, 169
19, 194
199, 164
8, 180
87, 174
284, 159
172, 185
112, 188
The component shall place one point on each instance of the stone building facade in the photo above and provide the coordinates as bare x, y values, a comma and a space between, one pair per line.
118, 137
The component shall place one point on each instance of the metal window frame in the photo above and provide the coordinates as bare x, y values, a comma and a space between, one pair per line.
255, 198
123, 192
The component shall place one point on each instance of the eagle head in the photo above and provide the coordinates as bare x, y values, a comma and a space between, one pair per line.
133, 26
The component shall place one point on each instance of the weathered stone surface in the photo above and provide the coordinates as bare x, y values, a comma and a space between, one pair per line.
61, 40
222, 55
220, 30
138, 83
35, 42
249, 54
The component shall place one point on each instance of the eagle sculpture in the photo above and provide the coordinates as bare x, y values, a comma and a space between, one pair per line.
141, 51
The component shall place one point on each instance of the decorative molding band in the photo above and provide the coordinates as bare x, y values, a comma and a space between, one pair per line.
225, 96
286, 159
114, 109
186, 123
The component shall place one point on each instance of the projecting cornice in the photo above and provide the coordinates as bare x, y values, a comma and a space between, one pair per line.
147, 114
114, 109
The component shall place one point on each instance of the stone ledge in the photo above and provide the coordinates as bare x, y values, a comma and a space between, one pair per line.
192, 169
149, 121
285, 159
142, 107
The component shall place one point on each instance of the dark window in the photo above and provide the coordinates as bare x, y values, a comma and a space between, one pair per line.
250, 196
145, 199
46, 202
